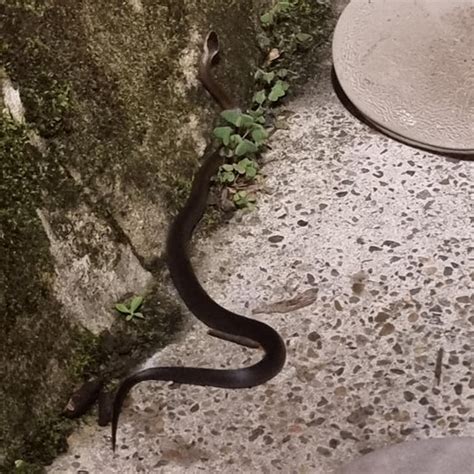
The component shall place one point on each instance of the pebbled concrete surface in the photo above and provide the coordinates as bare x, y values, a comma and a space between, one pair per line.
382, 234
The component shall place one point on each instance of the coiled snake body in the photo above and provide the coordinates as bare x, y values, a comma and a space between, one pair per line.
194, 295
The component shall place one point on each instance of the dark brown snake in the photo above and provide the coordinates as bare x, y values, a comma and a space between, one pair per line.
193, 294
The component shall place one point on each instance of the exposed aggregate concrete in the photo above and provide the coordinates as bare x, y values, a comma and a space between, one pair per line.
383, 232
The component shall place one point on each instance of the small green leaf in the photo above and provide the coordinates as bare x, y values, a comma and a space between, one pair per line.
243, 200
251, 172
245, 147
232, 116
139, 315
246, 162
303, 37
243, 166
240, 168
258, 74
267, 19
226, 174
121, 308
136, 303
284, 5
228, 177
277, 92
257, 126
129, 317
258, 115
246, 121
259, 135
285, 85
259, 97
264, 41
223, 133
235, 139
268, 77
239, 196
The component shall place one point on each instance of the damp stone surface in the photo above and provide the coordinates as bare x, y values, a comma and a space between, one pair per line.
382, 353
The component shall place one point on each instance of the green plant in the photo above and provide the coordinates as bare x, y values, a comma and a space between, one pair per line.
244, 200
273, 87
229, 173
131, 310
244, 133
84, 354
50, 104
23, 467
242, 137
271, 17
295, 25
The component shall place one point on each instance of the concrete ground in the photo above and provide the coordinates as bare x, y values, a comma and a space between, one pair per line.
375, 238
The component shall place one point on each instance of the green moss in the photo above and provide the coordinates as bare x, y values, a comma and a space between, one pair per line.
85, 355
24, 467
111, 115
44, 443
49, 104
22, 292
313, 19
17, 166
92, 120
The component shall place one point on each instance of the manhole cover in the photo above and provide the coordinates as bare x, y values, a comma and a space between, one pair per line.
408, 67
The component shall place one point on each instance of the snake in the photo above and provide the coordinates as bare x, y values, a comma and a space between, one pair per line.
194, 296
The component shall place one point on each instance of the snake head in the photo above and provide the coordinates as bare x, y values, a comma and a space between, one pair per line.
211, 47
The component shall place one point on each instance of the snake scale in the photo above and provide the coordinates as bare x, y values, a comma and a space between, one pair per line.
193, 294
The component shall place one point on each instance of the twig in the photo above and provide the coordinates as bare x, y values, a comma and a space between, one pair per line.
439, 365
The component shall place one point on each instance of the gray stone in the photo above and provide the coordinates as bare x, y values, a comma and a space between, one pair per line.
432, 456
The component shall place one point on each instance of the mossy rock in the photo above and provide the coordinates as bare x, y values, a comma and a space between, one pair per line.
115, 122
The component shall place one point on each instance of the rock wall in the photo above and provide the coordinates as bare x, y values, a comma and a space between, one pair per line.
102, 125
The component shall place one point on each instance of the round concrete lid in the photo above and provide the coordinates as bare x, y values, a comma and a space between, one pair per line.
433, 456
408, 66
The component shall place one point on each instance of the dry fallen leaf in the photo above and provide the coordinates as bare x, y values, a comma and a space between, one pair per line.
273, 54
285, 306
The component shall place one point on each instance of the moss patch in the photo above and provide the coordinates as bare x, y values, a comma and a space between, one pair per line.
44, 354
38, 344
88, 63
127, 343
299, 35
